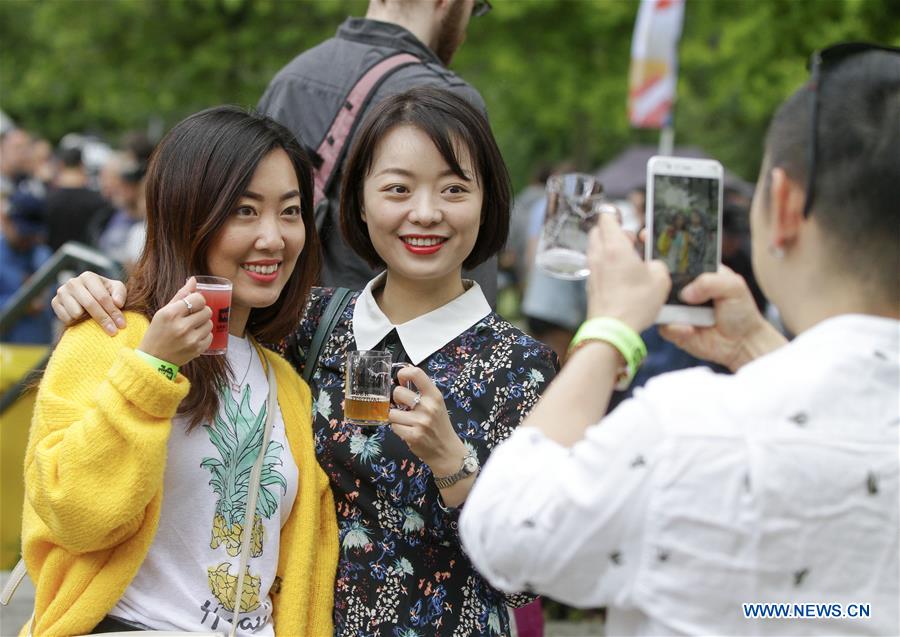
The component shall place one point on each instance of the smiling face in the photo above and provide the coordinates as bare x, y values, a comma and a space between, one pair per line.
423, 219
259, 244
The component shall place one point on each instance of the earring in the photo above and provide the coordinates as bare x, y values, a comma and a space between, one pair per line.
776, 251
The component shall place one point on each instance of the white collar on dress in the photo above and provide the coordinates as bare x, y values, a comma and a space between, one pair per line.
423, 335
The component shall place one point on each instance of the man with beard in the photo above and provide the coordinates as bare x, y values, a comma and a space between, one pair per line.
307, 94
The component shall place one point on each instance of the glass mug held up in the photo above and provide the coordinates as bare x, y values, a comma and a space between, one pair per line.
367, 387
217, 292
575, 202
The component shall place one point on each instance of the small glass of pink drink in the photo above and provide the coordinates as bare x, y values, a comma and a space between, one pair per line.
217, 292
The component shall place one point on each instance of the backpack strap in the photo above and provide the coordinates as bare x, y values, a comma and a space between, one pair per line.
329, 319
331, 150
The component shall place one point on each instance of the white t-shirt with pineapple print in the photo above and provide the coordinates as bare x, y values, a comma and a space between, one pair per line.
188, 580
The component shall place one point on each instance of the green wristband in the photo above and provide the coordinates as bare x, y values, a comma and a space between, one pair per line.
619, 335
167, 369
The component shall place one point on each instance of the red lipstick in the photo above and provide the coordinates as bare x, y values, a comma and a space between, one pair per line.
423, 249
259, 277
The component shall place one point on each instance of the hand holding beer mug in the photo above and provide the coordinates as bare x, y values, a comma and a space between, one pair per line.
574, 203
367, 387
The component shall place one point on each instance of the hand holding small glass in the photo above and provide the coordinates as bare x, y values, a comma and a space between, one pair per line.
181, 330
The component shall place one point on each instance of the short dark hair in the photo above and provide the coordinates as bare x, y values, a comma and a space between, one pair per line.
449, 121
857, 181
139, 145
70, 157
195, 179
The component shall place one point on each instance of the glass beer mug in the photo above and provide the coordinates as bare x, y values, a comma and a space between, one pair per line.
575, 202
367, 387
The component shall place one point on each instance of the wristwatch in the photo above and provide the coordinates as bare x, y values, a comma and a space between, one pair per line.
469, 466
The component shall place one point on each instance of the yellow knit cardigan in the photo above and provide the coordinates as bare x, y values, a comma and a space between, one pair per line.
94, 476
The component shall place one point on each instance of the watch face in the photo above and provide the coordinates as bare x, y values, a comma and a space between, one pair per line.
470, 464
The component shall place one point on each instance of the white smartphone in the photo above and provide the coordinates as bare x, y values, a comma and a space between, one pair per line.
684, 228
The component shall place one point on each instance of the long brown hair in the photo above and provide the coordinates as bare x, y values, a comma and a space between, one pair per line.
195, 179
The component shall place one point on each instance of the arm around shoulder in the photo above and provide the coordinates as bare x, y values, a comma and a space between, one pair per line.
97, 448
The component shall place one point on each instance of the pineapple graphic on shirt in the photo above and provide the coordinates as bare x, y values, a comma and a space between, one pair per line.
238, 438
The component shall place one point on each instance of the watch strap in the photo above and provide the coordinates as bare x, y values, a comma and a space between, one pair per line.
449, 481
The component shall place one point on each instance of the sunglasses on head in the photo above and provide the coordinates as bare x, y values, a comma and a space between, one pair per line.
480, 8
820, 62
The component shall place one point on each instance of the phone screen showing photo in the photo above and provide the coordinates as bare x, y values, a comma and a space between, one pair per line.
685, 227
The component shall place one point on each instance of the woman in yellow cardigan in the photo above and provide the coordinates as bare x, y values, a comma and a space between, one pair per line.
136, 473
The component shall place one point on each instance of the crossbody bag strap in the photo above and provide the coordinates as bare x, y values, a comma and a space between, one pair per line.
15, 578
331, 150
253, 493
333, 311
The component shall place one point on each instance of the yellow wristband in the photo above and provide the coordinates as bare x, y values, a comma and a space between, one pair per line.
165, 368
613, 331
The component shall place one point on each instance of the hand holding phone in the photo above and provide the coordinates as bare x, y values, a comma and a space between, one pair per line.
740, 334
621, 285
684, 228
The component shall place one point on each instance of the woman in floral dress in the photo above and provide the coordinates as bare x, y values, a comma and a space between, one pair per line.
426, 194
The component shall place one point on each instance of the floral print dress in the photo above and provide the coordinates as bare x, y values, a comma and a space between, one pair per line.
402, 571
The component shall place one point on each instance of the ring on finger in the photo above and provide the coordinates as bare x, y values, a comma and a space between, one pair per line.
416, 400
187, 304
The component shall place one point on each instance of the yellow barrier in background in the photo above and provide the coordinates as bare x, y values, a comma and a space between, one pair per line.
15, 362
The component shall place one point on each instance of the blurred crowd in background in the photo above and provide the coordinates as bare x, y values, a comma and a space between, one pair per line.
82, 190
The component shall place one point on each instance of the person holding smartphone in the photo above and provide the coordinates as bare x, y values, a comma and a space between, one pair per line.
706, 496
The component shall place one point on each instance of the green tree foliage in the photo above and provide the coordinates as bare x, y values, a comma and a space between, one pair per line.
553, 72
110, 65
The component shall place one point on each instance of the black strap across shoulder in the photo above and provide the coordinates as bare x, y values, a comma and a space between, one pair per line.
333, 311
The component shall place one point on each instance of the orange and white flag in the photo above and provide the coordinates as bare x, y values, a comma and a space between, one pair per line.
654, 63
